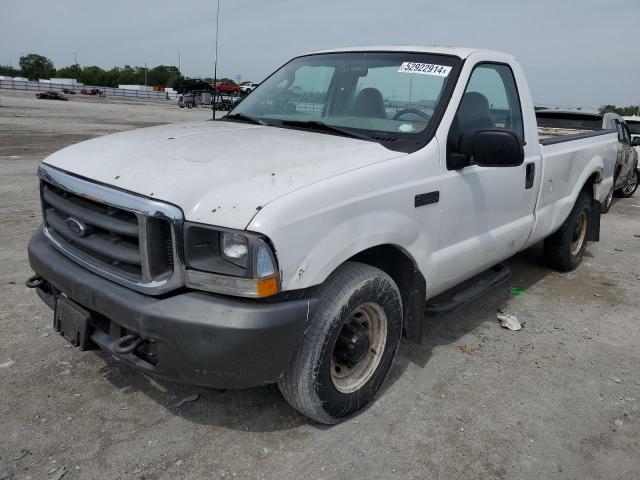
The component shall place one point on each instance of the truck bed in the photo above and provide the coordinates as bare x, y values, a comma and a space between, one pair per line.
568, 160
555, 126
551, 135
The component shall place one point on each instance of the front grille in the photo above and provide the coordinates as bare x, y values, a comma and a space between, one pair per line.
169, 246
135, 247
112, 235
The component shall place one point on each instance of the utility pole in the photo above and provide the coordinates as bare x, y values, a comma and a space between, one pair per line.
145, 75
75, 58
239, 78
215, 65
179, 63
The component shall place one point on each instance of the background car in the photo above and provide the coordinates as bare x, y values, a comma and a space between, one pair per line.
248, 87
226, 87
68, 91
92, 91
51, 95
634, 128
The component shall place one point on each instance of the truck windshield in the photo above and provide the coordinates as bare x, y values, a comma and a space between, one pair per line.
383, 96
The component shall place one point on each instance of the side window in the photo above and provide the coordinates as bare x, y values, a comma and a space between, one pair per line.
490, 101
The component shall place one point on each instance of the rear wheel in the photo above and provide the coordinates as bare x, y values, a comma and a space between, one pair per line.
632, 185
348, 346
564, 249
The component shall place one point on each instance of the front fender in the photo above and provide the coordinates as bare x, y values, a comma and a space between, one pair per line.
318, 227
349, 238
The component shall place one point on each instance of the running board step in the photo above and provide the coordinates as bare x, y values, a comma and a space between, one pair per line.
467, 291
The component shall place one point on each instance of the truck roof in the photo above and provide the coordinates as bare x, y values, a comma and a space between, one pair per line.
461, 52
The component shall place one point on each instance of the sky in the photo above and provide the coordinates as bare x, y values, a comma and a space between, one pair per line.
574, 52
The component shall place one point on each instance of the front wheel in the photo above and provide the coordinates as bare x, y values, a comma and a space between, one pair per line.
564, 249
631, 186
349, 345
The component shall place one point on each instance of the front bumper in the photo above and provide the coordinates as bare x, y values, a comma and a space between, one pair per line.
198, 338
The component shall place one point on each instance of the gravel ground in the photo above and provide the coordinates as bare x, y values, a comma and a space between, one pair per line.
558, 400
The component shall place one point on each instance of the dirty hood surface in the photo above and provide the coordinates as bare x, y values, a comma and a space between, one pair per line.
217, 172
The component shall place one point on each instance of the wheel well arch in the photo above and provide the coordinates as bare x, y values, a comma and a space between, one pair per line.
401, 267
590, 184
590, 187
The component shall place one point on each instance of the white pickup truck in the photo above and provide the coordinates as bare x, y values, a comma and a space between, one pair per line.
297, 239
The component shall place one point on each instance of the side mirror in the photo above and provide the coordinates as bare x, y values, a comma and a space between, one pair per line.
635, 142
490, 148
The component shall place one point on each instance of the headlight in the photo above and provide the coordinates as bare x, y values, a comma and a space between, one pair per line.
229, 262
235, 248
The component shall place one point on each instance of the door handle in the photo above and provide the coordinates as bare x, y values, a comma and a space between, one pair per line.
530, 176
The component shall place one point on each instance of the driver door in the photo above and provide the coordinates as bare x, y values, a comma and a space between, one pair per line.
487, 211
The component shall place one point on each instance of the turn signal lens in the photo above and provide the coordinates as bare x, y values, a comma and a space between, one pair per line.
267, 287
226, 285
265, 263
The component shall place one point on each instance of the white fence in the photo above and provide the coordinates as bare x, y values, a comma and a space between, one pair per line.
58, 87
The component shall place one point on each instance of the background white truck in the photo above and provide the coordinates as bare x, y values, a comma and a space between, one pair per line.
297, 239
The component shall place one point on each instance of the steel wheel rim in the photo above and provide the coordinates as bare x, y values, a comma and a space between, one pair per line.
631, 185
367, 320
579, 234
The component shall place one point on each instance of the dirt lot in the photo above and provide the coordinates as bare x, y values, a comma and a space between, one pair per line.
559, 399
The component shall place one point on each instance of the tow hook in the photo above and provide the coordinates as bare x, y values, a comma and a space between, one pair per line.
36, 281
127, 344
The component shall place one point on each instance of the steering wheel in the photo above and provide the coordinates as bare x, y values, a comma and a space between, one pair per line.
415, 111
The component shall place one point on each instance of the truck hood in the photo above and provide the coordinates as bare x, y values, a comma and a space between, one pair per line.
219, 173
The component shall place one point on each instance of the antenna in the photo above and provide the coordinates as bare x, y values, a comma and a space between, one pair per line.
215, 63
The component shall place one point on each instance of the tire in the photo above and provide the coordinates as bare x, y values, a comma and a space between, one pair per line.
630, 188
189, 105
325, 381
564, 249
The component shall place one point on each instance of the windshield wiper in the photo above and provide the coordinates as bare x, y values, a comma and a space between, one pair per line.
244, 118
317, 125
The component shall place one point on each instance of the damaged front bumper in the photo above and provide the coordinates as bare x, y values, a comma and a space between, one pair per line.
191, 337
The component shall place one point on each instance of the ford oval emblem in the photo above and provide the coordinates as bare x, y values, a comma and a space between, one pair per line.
76, 227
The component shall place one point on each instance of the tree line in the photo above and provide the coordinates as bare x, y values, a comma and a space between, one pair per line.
624, 111
35, 67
